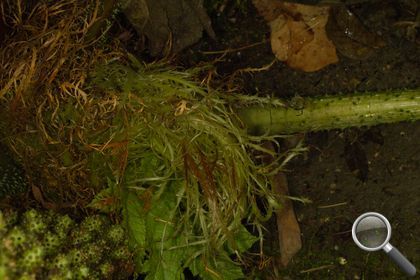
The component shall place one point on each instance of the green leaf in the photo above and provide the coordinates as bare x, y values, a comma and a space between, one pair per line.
104, 201
149, 166
135, 220
160, 218
166, 266
243, 239
216, 269
161, 222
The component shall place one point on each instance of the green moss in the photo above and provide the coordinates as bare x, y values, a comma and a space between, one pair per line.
60, 262
51, 242
32, 257
81, 237
94, 224
116, 234
42, 245
63, 225
106, 268
34, 222
92, 253
15, 239
12, 176
75, 257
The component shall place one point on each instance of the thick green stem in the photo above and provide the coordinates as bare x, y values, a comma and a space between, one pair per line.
313, 114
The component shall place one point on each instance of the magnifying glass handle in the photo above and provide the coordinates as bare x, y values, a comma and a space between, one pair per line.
400, 260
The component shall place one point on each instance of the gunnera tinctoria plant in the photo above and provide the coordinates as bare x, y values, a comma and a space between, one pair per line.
46, 245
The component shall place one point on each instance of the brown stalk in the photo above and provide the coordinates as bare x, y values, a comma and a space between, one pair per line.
192, 165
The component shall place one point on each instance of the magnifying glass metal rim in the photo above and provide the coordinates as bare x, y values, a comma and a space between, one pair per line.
361, 217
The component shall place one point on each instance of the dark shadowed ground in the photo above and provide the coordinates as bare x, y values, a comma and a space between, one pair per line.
339, 197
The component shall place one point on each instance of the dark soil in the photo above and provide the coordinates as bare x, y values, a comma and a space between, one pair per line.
346, 173
339, 197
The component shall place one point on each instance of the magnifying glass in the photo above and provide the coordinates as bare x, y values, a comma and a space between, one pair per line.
371, 232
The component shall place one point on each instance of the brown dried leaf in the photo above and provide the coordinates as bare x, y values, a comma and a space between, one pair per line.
40, 198
280, 37
287, 225
298, 34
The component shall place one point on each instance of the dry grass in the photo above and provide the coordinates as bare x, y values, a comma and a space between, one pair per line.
44, 63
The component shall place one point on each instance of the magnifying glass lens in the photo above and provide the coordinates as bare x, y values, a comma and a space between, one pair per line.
371, 232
